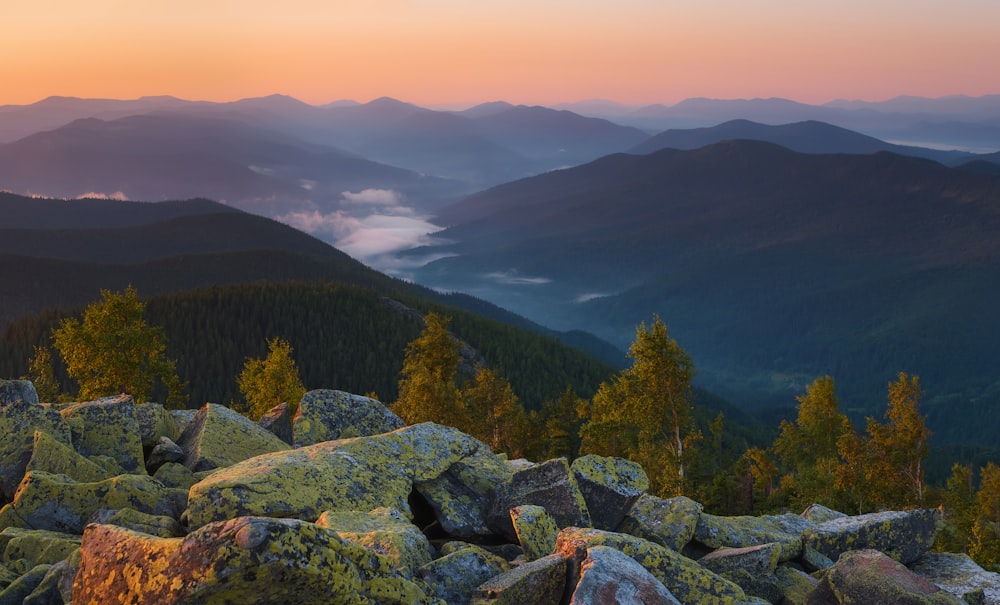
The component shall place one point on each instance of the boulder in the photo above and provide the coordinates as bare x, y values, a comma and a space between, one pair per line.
278, 422
182, 418
108, 427
36, 545
460, 495
610, 577
610, 486
56, 457
48, 591
536, 531
129, 518
757, 560
385, 531
668, 522
456, 576
363, 473
903, 535
817, 513
173, 474
22, 391
18, 422
795, 584
163, 452
538, 582
550, 485
243, 560
20, 589
155, 422
958, 575
869, 576
57, 503
325, 415
218, 437
739, 532
687, 581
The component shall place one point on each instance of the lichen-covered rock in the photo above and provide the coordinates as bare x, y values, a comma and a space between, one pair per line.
758, 560
363, 473
539, 582
155, 422
182, 418
668, 522
18, 422
52, 456
550, 485
129, 518
385, 531
903, 535
455, 576
278, 422
958, 575
869, 576
813, 560
240, 561
739, 532
17, 391
610, 486
460, 495
795, 584
20, 589
817, 513
36, 545
687, 581
536, 531
163, 452
107, 427
57, 503
610, 577
325, 415
218, 437
48, 591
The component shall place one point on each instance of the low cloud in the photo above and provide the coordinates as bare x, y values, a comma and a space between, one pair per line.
373, 197
93, 195
514, 278
589, 296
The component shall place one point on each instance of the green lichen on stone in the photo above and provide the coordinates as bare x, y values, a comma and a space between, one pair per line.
19, 590
609, 486
108, 427
155, 422
757, 560
668, 522
903, 535
739, 532
55, 457
325, 415
459, 496
36, 545
10, 518
536, 582
796, 585
18, 422
174, 474
129, 518
536, 531
218, 437
385, 531
363, 473
686, 580
455, 576
241, 561
55, 502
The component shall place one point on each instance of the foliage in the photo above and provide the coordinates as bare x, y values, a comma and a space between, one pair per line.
495, 414
427, 388
899, 446
41, 373
958, 501
267, 382
645, 413
113, 350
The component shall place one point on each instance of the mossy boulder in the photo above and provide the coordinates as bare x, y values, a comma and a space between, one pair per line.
19, 420
817, 513
460, 495
163, 452
610, 577
385, 531
363, 473
610, 486
903, 535
108, 427
12, 391
325, 415
21, 589
539, 582
155, 422
52, 456
536, 530
218, 437
795, 584
550, 485
958, 575
174, 474
240, 561
456, 575
278, 422
739, 532
687, 581
869, 576
668, 522
757, 560
129, 518
36, 545
57, 503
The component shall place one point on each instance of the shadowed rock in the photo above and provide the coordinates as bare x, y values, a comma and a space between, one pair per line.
668, 522
52, 456
155, 422
739, 532
278, 422
539, 582
610, 486
17, 390
108, 427
325, 415
18, 422
218, 437
536, 530
550, 485
903, 535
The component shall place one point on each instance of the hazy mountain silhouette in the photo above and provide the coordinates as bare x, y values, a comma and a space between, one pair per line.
770, 266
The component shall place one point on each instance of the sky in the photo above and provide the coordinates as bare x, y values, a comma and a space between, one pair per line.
455, 52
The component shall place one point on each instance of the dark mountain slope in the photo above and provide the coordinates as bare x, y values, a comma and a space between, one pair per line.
20, 212
770, 266
805, 137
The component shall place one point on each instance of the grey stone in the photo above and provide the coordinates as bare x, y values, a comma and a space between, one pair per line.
17, 390
903, 535
869, 576
325, 415
550, 485
668, 522
108, 427
538, 582
18, 422
218, 437
278, 422
958, 574
739, 532
610, 486
610, 577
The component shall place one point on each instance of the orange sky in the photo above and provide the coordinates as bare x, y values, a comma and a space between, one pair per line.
467, 51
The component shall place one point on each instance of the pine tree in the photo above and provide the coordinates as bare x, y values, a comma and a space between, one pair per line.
113, 350
267, 382
559, 422
427, 387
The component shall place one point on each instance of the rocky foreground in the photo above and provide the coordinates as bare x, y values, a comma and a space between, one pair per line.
108, 501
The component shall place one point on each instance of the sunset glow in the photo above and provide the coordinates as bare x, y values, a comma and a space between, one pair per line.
457, 51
